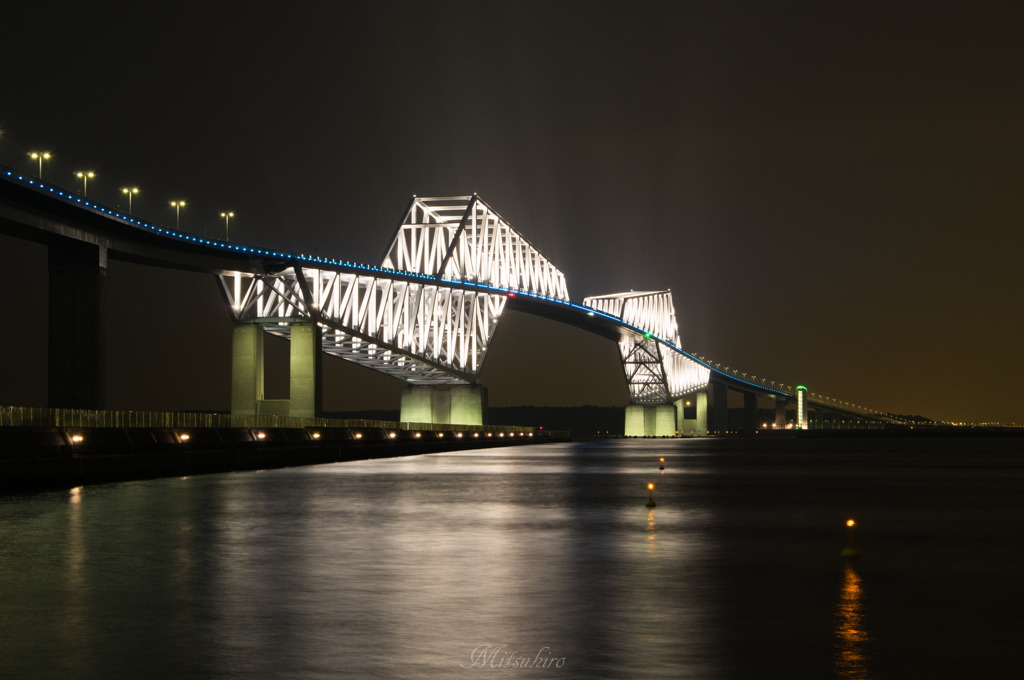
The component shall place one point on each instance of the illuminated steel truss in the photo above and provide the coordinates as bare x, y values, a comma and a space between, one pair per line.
430, 332
461, 238
656, 372
421, 333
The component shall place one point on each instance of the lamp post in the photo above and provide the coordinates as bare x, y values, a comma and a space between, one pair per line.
129, 191
42, 157
178, 205
227, 223
86, 176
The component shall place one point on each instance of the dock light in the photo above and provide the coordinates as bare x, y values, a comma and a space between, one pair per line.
130, 191
488, 434
77, 439
530, 434
850, 552
440, 435
459, 435
316, 435
85, 175
184, 437
359, 435
41, 156
260, 435
501, 434
392, 435
476, 434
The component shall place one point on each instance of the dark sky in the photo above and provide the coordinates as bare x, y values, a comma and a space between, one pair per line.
833, 191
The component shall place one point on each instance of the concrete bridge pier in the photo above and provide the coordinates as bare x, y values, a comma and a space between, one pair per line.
76, 352
246, 369
720, 408
305, 385
780, 414
692, 414
749, 414
455, 405
650, 420
819, 418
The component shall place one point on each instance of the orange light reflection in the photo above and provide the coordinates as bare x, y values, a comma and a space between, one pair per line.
850, 633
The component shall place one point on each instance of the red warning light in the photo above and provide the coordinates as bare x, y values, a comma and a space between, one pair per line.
511, 294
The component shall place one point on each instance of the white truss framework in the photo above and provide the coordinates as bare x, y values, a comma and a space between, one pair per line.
420, 333
657, 373
461, 238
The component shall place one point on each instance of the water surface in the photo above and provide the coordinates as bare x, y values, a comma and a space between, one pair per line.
419, 567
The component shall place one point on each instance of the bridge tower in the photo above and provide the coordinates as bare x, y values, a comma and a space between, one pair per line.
662, 379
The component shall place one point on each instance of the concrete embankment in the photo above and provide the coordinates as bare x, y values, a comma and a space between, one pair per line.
51, 457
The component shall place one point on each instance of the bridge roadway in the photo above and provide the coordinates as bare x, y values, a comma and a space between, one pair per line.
81, 235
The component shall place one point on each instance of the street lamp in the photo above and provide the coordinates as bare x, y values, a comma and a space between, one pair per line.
86, 176
42, 157
129, 191
227, 223
178, 205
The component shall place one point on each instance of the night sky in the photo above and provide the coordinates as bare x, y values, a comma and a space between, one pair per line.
832, 191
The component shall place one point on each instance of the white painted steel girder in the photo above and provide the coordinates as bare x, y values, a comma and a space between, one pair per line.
657, 372
420, 333
461, 238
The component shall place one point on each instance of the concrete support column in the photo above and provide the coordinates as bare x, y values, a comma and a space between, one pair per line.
664, 417
749, 414
819, 418
635, 421
468, 405
780, 414
417, 404
653, 420
246, 369
76, 359
720, 407
455, 405
305, 393
695, 405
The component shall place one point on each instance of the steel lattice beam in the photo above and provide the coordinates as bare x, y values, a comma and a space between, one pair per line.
656, 372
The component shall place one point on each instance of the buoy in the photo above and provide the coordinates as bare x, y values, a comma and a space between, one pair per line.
662, 466
650, 496
850, 552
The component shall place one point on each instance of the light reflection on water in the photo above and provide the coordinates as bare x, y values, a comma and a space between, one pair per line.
850, 633
403, 567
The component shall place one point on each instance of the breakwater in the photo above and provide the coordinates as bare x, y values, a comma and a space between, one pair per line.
68, 456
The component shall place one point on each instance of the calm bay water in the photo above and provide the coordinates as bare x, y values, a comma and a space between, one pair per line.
412, 567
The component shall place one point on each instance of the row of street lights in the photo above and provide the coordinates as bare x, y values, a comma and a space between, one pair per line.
86, 175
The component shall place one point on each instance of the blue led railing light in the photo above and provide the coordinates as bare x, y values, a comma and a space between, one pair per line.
98, 208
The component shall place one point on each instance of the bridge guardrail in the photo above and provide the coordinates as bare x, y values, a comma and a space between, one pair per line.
28, 416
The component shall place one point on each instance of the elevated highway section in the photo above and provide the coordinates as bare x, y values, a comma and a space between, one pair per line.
425, 315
